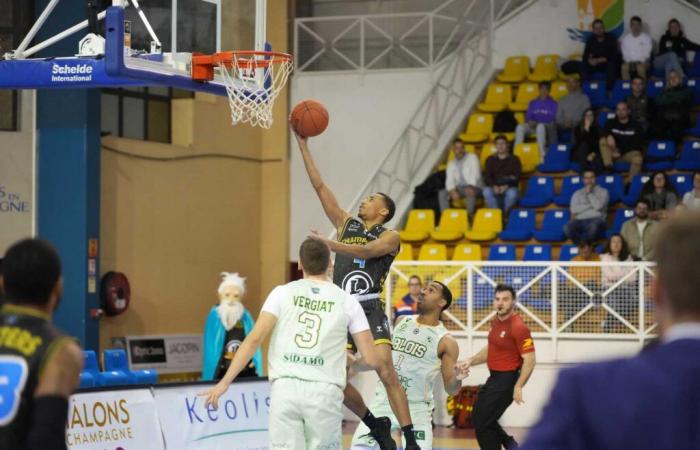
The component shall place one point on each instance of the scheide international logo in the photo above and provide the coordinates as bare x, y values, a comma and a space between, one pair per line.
71, 73
611, 12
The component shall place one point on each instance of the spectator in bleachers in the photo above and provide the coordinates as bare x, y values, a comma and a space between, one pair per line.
639, 103
586, 143
640, 233
462, 179
673, 48
622, 298
589, 210
408, 304
600, 54
502, 177
540, 119
636, 47
661, 196
672, 109
692, 199
622, 140
571, 297
571, 106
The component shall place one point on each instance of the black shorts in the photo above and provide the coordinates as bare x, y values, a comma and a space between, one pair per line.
378, 323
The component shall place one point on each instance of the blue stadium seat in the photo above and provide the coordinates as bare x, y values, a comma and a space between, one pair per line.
635, 189
654, 87
565, 136
107, 378
693, 70
538, 252
622, 215
520, 226
660, 155
556, 159
115, 360
567, 252
615, 185
620, 91
553, 226
621, 166
683, 182
690, 156
604, 116
502, 252
694, 85
569, 185
87, 380
695, 131
597, 93
539, 192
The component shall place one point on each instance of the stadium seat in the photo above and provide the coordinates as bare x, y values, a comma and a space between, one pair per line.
467, 252
615, 185
567, 252
553, 226
87, 380
538, 252
487, 224
502, 252
690, 156
621, 166
526, 93
556, 159
107, 378
516, 69
654, 87
559, 89
693, 70
683, 182
695, 131
419, 224
660, 155
486, 151
115, 360
478, 129
597, 93
498, 97
520, 226
405, 253
635, 189
546, 68
569, 185
621, 216
620, 91
453, 224
604, 116
539, 192
433, 252
529, 154
694, 85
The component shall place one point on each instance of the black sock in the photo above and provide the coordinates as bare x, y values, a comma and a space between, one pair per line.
369, 420
409, 435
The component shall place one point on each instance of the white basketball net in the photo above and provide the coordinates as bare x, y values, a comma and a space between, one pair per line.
253, 82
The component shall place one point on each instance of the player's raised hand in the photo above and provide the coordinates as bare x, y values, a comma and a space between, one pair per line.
213, 394
301, 140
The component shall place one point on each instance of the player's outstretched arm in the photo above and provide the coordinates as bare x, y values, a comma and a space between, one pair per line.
462, 367
333, 211
449, 352
387, 243
266, 322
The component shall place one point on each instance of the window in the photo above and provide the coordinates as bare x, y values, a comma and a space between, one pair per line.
14, 24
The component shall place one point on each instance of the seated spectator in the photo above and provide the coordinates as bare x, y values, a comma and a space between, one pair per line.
622, 141
502, 177
672, 109
600, 54
673, 48
572, 298
640, 233
462, 179
639, 103
589, 211
636, 47
661, 196
571, 106
540, 119
622, 297
408, 304
586, 143
691, 199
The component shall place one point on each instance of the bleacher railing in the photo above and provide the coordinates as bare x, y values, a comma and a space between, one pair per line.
558, 300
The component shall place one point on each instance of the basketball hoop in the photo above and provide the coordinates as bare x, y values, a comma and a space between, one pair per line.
253, 80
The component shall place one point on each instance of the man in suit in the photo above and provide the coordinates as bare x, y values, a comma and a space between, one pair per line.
651, 401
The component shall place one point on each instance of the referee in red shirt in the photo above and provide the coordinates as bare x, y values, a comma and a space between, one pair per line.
510, 356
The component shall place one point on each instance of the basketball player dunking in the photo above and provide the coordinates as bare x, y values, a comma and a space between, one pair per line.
364, 252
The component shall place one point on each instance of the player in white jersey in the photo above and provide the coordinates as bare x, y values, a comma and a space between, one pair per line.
422, 349
309, 320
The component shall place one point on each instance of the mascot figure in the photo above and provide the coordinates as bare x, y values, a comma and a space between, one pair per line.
227, 325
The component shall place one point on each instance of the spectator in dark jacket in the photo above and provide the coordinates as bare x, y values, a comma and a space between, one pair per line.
586, 148
639, 103
501, 177
600, 54
672, 49
661, 196
672, 109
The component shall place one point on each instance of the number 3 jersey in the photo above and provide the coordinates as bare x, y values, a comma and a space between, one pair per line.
309, 339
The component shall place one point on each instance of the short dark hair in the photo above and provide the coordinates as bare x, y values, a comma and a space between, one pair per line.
586, 170
505, 288
546, 84
622, 102
500, 137
597, 21
584, 243
416, 277
636, 19
456, 140
31, 269
446, 294
643, 201
390, 205
637, 77
315, 256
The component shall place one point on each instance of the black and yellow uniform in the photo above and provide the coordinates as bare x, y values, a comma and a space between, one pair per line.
232, 342
27, 339
364, 278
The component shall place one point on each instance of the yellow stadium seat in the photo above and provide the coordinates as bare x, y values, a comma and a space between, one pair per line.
487, 224
418, 226
433, 252
529, 155
405, 253
559, 90
453, 224
546, 68
516, 69
526, 92
467, 252
498, 96
486, 151
519, 117
478, 128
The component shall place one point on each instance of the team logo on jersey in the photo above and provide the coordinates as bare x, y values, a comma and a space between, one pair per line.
527, 343
357, 282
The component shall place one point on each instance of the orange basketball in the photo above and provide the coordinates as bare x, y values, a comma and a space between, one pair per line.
309, 118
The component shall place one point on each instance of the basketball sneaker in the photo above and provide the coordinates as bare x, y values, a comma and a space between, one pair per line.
382, 434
